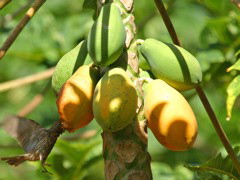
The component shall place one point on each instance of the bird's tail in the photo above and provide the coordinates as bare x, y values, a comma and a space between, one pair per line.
14, 161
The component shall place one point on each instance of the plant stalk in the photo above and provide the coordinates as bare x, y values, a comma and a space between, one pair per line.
200, 92
218, 127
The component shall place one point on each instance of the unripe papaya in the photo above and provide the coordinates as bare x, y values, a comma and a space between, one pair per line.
68, 64
169, 116
107, 36
115, 100
74, 100
173, 64
142, 62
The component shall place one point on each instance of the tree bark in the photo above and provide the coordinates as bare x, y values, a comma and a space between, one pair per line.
125, 152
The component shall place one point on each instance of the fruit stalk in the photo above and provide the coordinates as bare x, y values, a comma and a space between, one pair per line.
218, 128
125, 151
200, 91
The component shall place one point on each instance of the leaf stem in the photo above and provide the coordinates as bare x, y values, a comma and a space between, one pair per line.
18, 29
218, 127
200, 91
168, 22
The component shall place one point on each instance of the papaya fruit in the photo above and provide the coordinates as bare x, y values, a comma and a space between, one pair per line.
173, 64
142, 63
68, 64
74, 100
107, 36
115, 100
169, 116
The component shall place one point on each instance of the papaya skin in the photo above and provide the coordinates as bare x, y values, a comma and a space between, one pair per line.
107, 36
68, 64
171, 63
74, 101
115, 100
169, 116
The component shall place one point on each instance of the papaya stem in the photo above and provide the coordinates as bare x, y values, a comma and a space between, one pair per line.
139, 41
199, 90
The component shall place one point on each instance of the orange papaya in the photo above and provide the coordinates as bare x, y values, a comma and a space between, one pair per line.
169, 116
74, 100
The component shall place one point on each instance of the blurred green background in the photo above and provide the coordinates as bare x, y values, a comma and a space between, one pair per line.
208, 29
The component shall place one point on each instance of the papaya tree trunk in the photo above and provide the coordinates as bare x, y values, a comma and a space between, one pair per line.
125, 151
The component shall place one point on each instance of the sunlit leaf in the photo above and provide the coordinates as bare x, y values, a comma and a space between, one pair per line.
233, 92
217, 168
235, 66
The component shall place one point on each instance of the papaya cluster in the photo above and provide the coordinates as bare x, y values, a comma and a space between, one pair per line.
89, 87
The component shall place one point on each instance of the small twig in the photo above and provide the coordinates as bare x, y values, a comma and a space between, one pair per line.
28, 108
236, 2
9, 17
200, 92
28, 16
3, 3
26, 80
167, 21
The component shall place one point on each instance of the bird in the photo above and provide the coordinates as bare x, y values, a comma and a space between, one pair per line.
36, 141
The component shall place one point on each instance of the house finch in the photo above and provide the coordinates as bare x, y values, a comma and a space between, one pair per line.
35, 140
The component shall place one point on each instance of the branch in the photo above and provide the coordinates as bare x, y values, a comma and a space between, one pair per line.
18, 29
26, 80
200, 91
236, 2
28, 108
9, 17
3, 3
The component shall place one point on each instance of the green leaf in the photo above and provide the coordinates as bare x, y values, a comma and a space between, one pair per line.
208, 57
217, 168
233, 92
235, 66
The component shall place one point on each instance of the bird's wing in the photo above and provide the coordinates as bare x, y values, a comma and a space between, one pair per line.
24, 130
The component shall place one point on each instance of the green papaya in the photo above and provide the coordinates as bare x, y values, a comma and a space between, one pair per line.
114, 100
69, 63
107, 36
173, 64
142, 63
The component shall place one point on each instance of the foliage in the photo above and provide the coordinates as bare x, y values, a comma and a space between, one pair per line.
207, 29
217, 167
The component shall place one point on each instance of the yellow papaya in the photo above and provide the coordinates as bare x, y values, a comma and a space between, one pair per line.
171, 63
74, 100
169, 116
115, 100
107, 36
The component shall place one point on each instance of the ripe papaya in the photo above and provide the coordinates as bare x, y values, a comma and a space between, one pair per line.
68, 64
74, 100
115, 100
169, 116
107, 36
173, 64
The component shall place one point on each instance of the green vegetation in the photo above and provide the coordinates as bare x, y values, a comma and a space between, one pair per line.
207, 29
